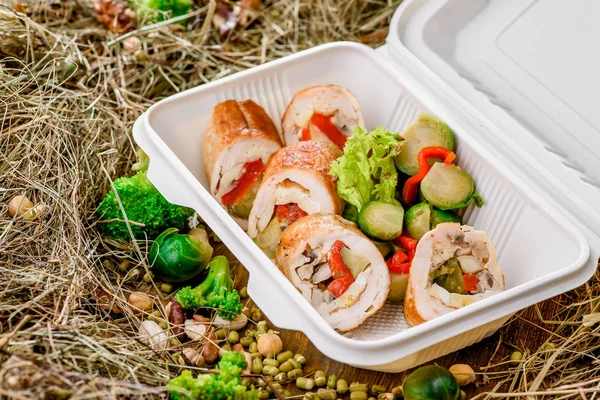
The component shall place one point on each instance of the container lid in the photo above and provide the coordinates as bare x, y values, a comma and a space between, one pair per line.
525, 74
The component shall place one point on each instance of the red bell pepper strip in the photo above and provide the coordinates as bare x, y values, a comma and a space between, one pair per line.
408, 243
289, 212
341, 274
399, 263
411, 187
471, 282
339, 286
252, 171
327, 127
306, 134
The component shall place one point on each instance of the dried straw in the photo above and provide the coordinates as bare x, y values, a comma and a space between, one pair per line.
69, 94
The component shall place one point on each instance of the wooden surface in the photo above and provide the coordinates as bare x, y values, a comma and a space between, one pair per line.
523, 332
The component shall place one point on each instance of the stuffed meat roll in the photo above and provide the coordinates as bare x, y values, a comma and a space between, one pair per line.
454, 266
325, 113
296, 183
239, 141
336, 267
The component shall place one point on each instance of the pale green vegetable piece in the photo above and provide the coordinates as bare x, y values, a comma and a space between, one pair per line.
268, 239
398, 286
354, 261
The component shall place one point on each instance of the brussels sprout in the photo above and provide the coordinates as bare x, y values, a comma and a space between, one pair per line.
268, 239
431, 382
440, 216
244, 205
381, 220
177, 258
417, 220
424, 132
449, 276
350, 213
423, 217
447, 187
398, 286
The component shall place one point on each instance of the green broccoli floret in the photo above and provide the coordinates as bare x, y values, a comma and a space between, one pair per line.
216, 291
224, 386
142, 204
159, 10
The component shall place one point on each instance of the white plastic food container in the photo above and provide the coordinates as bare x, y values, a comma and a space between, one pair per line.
516, 82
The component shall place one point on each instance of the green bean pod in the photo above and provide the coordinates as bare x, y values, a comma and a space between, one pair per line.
257, 365
300, 358
320, 378
286, 366
284, 356
332, 381
341, 386
271, 361
358, 387
326, 394
358, 395
305, 383
376, 389
295, 374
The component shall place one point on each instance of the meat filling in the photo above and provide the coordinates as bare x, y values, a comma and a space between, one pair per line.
330, 273
460, 268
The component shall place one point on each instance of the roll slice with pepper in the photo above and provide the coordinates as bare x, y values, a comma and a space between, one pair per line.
454, 266
324, 113
296, 183
239, 141
335, 267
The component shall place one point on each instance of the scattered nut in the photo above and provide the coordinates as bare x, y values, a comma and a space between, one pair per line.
200, 318
140, 301
194, 357
105, 301
463, 373
200, 234
240, 349
132, 43
177, 318
19, 205
269, 345
236, 324
153, 335
194, 330
210, 351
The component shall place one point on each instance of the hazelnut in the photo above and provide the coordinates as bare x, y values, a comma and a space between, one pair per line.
463, 373
19, 205
140, 301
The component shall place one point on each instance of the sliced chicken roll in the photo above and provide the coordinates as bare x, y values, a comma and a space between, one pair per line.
336, 267
239, 141
454, 266
296, 183
325, 113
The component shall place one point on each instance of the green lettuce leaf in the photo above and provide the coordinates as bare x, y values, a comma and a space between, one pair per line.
366, 170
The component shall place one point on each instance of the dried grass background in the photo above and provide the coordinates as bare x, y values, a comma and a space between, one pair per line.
69, 93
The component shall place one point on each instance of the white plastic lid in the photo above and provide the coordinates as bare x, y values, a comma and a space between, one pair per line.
528, 72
